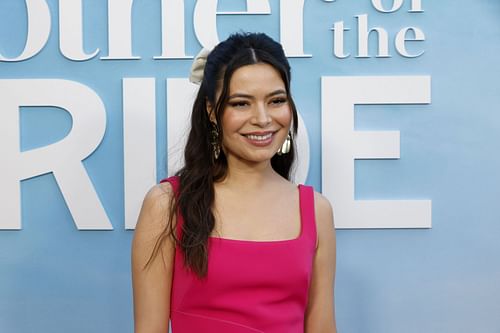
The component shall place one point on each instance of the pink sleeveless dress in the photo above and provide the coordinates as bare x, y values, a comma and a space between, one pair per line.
251, 286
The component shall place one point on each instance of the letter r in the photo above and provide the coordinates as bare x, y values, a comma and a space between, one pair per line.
63, 158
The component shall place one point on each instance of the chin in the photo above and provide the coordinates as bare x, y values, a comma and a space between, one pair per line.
255, 157
264, 157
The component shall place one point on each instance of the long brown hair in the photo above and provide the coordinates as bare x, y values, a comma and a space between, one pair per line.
195, 197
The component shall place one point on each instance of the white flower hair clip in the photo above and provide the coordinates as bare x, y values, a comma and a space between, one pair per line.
198, 66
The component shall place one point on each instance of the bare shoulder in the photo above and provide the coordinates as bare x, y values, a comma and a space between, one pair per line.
159, 193
152, 223
324, 217
323, 208
155, 207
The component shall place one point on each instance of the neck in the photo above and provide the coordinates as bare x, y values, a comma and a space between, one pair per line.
250, 176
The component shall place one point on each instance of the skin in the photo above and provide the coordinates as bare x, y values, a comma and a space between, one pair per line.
258, 105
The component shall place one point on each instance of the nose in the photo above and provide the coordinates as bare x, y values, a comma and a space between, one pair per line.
261, 116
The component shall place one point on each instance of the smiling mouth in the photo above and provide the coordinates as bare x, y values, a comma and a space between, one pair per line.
255, 137
262, 139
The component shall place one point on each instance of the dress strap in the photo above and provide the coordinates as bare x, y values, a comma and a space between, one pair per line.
175, 182
307, 215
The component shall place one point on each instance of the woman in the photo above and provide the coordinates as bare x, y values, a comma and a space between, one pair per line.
230, 244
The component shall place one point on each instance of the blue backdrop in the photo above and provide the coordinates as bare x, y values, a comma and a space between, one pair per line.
55, 278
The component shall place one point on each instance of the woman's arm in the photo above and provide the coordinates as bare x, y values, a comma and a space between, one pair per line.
151, 285
320, 314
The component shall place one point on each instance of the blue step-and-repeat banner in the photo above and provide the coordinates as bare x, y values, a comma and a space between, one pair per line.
399, 104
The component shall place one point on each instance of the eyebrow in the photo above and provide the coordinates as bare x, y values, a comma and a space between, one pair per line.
274, 93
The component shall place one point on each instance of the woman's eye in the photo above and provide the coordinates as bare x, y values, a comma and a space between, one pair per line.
279, 101
238, 104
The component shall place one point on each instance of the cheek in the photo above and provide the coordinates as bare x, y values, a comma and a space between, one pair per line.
284, 116
232, 122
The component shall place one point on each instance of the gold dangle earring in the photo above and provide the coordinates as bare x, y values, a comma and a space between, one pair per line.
285, 147
215, 141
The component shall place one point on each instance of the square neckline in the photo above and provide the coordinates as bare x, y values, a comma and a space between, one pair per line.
271, 241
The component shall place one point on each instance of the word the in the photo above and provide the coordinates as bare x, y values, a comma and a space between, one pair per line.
406, 34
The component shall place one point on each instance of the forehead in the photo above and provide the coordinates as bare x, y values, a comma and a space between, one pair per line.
255, 79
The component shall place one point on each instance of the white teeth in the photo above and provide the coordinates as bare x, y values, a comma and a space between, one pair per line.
259, 137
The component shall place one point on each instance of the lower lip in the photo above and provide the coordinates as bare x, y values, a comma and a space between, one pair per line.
260, 143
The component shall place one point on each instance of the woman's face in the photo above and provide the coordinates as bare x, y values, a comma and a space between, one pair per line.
257, 116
